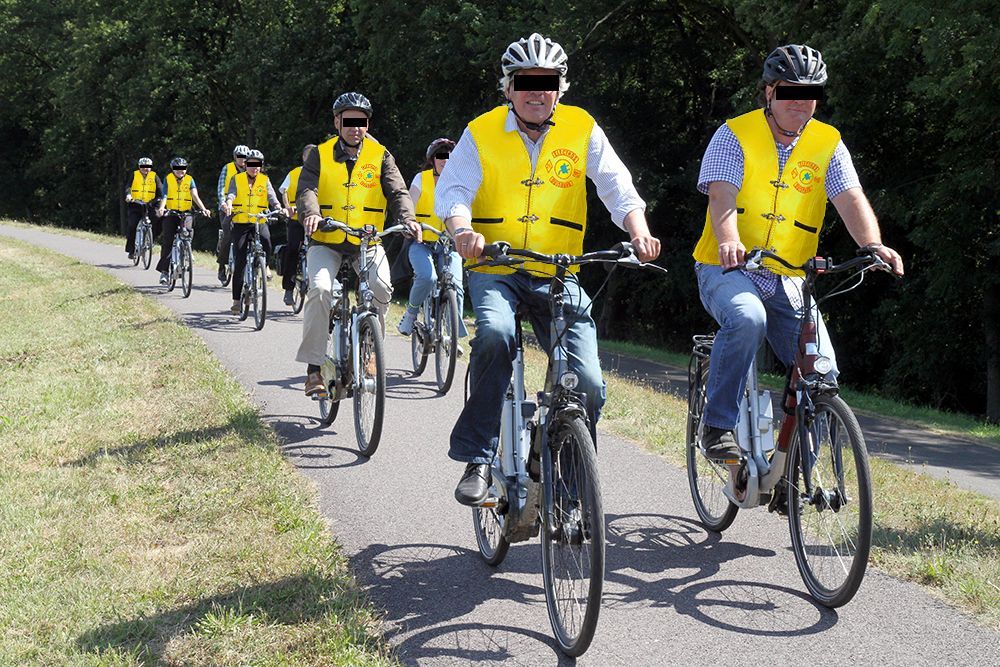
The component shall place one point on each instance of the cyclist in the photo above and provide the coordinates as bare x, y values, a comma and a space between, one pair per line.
237, 166
181, 191
421, 255
531, 146
250, 192
768, 175
146, 188
354, 179
296, 234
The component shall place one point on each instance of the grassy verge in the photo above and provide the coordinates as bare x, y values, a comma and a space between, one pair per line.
148, 516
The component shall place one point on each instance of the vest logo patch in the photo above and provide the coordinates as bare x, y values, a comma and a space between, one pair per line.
258, 190
805, 176
368, 175
561, 167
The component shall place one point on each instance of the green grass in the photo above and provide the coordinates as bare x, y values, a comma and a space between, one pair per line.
148, 515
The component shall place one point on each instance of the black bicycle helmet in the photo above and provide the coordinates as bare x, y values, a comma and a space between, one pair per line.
353, 101
178, 162
795, 63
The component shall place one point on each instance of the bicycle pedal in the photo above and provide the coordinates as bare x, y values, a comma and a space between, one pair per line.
490, 502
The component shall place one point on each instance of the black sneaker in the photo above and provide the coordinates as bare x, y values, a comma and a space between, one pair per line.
719, 445
474, 485
289, 298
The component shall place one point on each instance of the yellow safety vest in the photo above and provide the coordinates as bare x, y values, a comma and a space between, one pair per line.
542, 209
781, 212
179, 193
249, 200
231, 170
356, 201
293, 189
425, 206
143, 190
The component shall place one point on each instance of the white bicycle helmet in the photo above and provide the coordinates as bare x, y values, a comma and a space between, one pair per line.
255, 155
534, 51
241, 151
145, 162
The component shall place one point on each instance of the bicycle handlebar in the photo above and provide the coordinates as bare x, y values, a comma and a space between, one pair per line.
365, 232
814, 265
268, 216
502, 254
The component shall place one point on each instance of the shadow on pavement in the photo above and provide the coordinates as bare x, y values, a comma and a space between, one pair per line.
478, 643
301, 442
401, 385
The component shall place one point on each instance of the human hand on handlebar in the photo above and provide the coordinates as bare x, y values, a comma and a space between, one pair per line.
647, 248
414, 229
469, 244
311, 222
731, 254
890, 257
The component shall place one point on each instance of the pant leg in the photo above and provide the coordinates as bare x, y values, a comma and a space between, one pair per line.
455, 261
379, 280
580, 341
784, 322
157, 223
323, 264
265, 240
421, 257
289, 266
222, 250
475, 434
170, 225
734, 302
134, 216
241, 237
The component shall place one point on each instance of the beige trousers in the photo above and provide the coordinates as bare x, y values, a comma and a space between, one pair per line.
323, 265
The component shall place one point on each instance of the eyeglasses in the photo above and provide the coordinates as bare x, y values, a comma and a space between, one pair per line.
442, 156
798, 92
354, 122
543, 82
254, 165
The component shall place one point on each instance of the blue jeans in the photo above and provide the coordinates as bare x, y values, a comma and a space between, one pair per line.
422, 257
744, 321
495, 299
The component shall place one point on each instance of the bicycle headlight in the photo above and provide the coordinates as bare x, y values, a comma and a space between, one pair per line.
569, 380
823, 365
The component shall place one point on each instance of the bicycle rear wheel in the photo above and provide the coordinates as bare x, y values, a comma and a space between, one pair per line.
489, 526
300, 296
446, 350
418, 348
187, 270
137, 247
259, 292
369, 394
831, 528
706, 478
172, 271
147, 250
228, 272
572, 536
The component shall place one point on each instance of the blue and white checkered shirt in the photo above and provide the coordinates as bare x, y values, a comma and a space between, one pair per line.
723, 161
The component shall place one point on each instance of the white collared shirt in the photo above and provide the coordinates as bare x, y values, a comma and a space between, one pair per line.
460, 180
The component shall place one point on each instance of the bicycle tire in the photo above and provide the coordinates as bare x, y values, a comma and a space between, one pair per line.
137, 247
147, 251
172, 271
832, 418
369, 412
488, 525
300, 297
187, 270
577, 524
328, 409
706, 479
259, 293
418, 349
446, 349
228, 273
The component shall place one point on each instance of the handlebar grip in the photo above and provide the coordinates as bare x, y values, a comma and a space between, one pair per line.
495, 250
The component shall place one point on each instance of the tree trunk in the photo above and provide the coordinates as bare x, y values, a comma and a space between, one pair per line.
991, 323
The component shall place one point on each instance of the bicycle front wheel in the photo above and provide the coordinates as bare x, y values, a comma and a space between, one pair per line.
259, 292
147, 250
187, 270
446, 350
830, 518
300, 296
706, 478
137, 247
572, 536
418, 348
369, 392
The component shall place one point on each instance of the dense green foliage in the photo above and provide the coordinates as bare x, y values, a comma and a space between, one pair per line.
92, 84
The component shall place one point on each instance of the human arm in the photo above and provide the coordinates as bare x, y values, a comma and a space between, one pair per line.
454, 193
197, 200
861, 223
397, 197
307, 197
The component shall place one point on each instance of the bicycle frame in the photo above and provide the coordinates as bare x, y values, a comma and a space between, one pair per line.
431, 307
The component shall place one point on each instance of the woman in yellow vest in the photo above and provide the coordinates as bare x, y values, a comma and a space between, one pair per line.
182, 193
237, 166
250, 192
768, 175
421, 255
296, 234
144, 188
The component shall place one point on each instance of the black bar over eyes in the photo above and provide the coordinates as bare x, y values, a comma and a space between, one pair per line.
798, 93
255, 164
544, 82
354, 122
442, 156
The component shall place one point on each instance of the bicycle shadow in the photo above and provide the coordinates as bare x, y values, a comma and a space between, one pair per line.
222, 321
661, 561
401, 385
479, 643
300, 443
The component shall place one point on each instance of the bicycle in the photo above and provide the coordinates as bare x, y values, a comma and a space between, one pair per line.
545, 469
827, 497
143, 237
301, 278
354, 366
439, 319
181, 263
254, 293
230, 266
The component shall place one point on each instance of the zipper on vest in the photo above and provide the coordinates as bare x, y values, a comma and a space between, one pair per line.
529, 218
774, 217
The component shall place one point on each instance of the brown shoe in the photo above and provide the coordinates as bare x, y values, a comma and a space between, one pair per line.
315, 386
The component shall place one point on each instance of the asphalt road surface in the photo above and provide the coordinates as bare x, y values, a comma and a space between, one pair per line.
674, 594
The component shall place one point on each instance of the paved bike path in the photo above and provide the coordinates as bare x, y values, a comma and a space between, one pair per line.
674, 593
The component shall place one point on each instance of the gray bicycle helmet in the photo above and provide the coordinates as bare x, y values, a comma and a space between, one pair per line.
534, 51
178, 162
241, 151
795, 63
353, 101
145, 162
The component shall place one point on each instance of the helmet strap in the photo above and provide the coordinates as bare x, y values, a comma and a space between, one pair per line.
768, 112
534, 127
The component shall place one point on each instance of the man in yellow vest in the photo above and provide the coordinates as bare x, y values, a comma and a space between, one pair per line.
182, 193
296, 234
354, 179
249, 192
768, 175
237, 166
145, 188
518, 174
